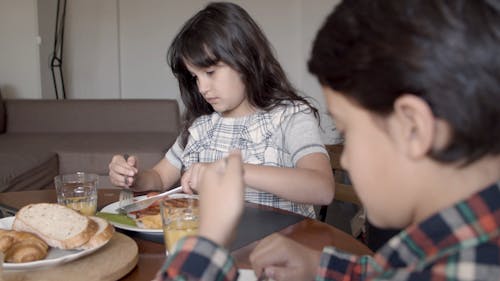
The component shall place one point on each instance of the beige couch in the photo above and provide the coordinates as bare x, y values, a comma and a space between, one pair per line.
42, 138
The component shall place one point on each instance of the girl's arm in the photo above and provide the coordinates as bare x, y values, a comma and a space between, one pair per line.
161, 177
311, 181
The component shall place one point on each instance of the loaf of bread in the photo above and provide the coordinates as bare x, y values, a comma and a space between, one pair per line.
57, 225
104, 233
20, 246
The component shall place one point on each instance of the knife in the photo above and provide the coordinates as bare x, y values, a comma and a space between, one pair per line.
144, 203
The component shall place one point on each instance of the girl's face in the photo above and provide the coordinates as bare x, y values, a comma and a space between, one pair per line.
221, 86
375, 165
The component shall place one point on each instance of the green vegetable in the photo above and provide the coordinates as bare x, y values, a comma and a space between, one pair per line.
117, 218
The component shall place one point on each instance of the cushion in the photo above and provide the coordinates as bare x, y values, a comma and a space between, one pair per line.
92, 116
93, 152
27, 171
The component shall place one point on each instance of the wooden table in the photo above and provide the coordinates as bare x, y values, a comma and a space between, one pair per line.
310, 232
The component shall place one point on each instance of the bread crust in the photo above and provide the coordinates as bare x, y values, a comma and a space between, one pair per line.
102, 236
72, 242
20, 246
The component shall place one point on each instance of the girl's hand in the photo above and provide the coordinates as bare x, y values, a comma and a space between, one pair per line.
221, 182
190, 178
123, 172
281, 258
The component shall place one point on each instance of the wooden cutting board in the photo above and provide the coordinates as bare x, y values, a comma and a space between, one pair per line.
111, 262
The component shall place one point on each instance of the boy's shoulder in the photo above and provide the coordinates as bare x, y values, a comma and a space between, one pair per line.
465, 233
470, 226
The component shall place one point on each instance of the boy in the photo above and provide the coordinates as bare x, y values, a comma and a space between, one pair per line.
415, 88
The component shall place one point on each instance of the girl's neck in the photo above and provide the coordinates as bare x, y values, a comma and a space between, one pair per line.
242, 112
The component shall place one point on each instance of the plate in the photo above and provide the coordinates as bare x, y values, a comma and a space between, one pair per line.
54, 257
248, 275
111, 208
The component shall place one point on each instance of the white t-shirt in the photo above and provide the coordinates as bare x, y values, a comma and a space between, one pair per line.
278, 138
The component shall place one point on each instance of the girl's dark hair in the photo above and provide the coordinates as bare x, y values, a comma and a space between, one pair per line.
446, 52
224, 32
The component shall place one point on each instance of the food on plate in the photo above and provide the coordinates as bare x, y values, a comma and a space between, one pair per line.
150, 221
178, 202
117, 218
38, 226
102, 236
147, 218
59, 226
20, 246
151, 217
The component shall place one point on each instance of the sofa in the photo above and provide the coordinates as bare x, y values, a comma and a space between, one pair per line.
42, 138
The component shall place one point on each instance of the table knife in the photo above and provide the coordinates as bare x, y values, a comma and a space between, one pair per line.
144, 203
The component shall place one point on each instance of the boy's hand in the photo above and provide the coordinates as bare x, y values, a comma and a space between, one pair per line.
280, 258
221, 192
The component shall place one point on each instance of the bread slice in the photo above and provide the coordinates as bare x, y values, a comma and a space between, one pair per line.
103, 234
57, 225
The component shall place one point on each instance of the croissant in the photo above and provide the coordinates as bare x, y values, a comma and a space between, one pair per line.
20, 246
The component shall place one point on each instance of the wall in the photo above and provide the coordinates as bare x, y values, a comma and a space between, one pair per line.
46, 25
91, 51
19, 59
117, 48
147, 28
312, 18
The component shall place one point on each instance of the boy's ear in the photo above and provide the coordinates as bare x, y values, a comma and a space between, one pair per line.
416, 125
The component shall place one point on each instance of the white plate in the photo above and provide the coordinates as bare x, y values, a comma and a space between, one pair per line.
248, 275
111, 208
54, 257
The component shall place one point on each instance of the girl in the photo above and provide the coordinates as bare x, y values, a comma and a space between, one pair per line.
237, 97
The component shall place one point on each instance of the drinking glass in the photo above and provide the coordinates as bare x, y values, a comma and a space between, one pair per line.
180, 217
1, 265
78, 191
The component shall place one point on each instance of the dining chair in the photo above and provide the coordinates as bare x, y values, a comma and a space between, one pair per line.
344, 192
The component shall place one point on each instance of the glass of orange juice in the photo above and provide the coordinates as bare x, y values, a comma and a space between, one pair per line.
78, 191
180, 217
1, 264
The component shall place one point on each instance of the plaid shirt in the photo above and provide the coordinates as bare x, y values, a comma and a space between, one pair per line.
196, 258
279, 138
459, 243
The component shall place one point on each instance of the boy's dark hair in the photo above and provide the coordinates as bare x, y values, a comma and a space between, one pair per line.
446, 52
224, 32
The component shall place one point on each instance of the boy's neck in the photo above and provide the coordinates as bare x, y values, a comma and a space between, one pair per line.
446, 185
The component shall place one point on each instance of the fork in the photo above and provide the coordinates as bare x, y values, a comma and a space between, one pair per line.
126, 194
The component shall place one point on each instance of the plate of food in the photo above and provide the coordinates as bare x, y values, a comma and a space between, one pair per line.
20, 245
146, 221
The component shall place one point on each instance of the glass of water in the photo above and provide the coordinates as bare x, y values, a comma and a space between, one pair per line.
78, 191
